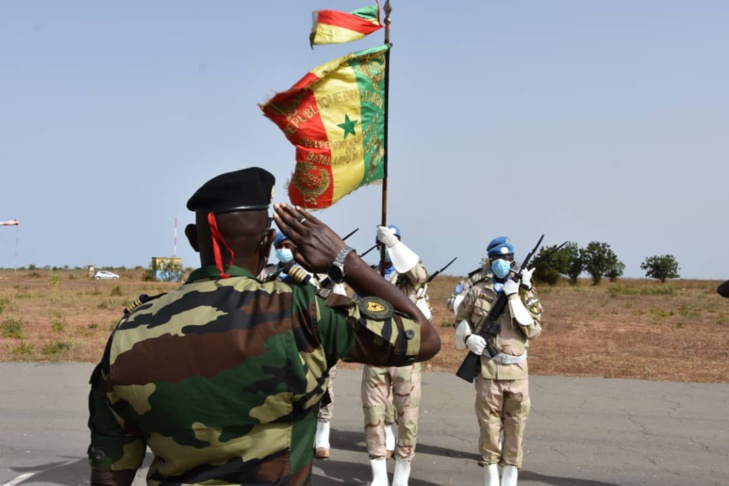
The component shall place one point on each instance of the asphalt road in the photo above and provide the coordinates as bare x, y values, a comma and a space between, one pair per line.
581, 432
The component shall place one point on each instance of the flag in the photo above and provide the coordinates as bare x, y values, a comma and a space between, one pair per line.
334, 27
11, 222
335, 117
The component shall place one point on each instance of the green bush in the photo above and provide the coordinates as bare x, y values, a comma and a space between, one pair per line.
13, 328
4, 303
24, 349
58, 324
54, 281
56, 347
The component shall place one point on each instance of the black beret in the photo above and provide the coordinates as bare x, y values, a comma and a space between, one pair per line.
243, 190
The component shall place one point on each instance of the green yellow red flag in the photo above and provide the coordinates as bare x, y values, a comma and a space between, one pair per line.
334, 27
335, 117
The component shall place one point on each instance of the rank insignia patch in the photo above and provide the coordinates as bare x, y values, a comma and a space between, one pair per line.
375, 308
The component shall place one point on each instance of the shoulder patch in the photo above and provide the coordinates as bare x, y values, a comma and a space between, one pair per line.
375, 308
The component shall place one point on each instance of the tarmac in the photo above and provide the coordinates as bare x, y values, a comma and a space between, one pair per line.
581, 431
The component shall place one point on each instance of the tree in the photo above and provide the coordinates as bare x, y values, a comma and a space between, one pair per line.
616, 270
575, 265
550, 264
661, 267
598, 259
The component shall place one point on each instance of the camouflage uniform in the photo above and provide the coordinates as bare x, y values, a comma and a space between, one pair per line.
326, 410
394, 389
222, 379
502, 390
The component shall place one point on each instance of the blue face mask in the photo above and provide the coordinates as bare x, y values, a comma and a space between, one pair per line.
284, 255
500, 268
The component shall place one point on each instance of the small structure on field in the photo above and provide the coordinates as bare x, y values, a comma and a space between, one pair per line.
167, 269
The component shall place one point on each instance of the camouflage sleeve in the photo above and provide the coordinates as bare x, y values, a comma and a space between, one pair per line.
112, 448
367, 330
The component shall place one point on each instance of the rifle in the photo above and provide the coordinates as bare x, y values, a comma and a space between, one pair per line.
369, 250
350, 234
489, 327
436, 273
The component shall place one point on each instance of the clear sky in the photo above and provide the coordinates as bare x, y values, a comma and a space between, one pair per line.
587, 121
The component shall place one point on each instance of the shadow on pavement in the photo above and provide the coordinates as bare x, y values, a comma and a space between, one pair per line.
67, 473
354, 441
560, 481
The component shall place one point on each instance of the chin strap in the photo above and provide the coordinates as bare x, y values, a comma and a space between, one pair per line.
217, 239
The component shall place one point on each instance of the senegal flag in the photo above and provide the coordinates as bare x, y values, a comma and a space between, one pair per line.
333, 27
335, 117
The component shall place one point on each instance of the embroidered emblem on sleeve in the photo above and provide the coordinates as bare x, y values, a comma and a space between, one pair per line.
375, 308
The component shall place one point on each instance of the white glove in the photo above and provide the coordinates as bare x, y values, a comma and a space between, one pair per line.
526, 278
386, 236
511, 287
476, 344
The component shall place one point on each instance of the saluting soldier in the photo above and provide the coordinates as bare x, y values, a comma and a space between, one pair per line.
502, 386
395, 387
222, 378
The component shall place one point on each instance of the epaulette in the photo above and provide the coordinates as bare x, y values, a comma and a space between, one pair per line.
142, 299
478, 277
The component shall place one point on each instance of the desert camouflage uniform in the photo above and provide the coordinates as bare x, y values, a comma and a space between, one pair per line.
222, 379
388, 391
463, 286
502, 390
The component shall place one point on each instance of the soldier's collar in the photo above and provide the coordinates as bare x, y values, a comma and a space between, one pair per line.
212, 272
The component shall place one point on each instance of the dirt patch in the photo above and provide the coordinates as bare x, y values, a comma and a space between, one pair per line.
677, 331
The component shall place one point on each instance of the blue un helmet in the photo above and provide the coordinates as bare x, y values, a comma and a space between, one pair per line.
499, 246
279, 238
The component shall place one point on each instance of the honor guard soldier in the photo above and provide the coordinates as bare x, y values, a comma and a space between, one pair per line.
395, 387
502, 385
222, 378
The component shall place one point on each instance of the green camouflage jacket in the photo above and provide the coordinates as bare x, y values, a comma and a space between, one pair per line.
222, 378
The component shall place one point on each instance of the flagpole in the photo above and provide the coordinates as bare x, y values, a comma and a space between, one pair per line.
174, 248
15, 262
387, 9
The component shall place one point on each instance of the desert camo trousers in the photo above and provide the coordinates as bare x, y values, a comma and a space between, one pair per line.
399, 388
327, 411
502, 405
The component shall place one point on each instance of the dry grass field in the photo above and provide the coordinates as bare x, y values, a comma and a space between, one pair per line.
677, 331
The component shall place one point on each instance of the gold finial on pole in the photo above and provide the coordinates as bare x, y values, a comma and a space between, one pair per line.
387, 9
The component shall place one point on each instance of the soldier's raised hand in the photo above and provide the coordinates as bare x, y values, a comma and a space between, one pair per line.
526, 277
316, 243
386, 236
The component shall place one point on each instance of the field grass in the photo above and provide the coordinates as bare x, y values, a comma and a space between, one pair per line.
634, 328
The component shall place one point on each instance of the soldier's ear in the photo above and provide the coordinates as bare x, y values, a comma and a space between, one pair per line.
267, 242
191, 233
